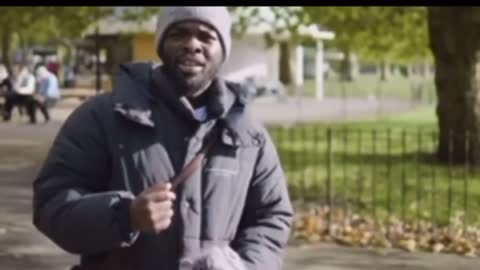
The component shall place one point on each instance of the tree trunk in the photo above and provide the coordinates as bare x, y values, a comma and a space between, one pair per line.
69, 55
6, 43
454, 40
23, 48
385, 71
394, 69
354, 65
410, 70
425, 68
406, 70
286, 72
348, 66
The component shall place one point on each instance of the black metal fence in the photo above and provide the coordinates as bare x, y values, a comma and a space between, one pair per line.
384, 172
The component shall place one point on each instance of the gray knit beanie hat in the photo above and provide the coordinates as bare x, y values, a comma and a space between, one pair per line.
217, 17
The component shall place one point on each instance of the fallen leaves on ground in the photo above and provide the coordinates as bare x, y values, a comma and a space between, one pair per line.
311, 225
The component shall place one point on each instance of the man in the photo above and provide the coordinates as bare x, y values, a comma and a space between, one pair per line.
48, 91
53, 65
6, 92
106, 190
24, 91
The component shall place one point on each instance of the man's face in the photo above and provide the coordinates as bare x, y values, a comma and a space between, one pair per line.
193, 55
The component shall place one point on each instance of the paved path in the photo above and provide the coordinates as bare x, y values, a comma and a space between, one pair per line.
23, 148
332, 257
271, 111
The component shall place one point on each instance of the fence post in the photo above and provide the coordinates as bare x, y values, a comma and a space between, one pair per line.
344, 100
374, 174
344, 169
359, 172
292, 160
317, 152
389, 172
404, 173
329, 178
302, 159
465, 181
418, 184
434, 183
450, 175
312, 157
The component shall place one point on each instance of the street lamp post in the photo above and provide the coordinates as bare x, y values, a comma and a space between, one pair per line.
97, 53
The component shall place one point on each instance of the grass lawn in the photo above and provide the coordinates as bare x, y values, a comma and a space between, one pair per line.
370, 85
374, 171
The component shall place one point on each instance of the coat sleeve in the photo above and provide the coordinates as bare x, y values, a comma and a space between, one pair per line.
266, 222
71, 204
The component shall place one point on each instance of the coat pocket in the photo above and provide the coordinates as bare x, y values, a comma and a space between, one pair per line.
220, 172
219, 168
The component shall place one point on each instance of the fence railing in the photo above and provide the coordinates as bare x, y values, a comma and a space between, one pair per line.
384, 172
415, 90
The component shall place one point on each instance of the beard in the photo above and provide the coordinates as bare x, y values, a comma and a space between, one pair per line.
191, 84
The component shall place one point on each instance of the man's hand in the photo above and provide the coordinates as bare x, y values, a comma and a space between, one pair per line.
152, 211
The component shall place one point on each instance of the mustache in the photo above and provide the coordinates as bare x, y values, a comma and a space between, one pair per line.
186, 58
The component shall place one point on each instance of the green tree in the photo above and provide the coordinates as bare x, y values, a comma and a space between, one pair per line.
14, 19
402, 36
379, 34
37, 25
23, 27
350, 26
139, 14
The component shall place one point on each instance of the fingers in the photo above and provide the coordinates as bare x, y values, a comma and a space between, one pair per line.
159, 192
152, 210
160, 196
156, 207
162, 225
161, 187
161, 216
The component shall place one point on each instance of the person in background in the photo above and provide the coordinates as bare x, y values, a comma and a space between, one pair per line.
7, 92
6, 85
25, 90
14, 77
48, 91
69, 77
53, 65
